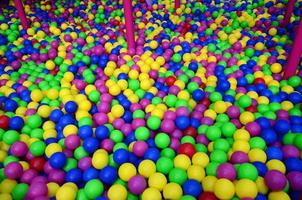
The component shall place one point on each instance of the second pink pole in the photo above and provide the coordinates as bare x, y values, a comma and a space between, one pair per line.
129, 24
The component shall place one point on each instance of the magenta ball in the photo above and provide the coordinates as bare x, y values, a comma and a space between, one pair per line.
226, 170
233, 112
139, 148
275, 180
37, 189
295, 180
239, 157
137, 184
13, 170
28, 176
19, 149
72, 141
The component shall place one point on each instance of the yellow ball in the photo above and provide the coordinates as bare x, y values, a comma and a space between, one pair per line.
172, 191
257, 155
182, 161
261, 186
100, 159
220, 107
246, 117
5, 196
7, 185
117, 191
52, 148
69, 130
208, 183
276, 68
272, 31
196, 172
275, 164
52, 189
114, 90
153, 44
246, 188
200, 158
158, 181
224, 189
210, 113
151, 194
52, 94
44, 111
278, 196
66, 192
241, 145
146, 168
241, 134
50, 65
36, 95
259, 46
117, 111
126, 171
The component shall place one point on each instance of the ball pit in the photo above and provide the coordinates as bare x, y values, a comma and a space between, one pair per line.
198, 110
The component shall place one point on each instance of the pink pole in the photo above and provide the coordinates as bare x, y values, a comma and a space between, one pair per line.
295, 54
177, 4
129, 24
288, 13
21, 13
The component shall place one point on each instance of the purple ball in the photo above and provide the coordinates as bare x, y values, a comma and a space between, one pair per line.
19, 149
226, 170
72, 142
275, 180
13, 170
239, 157
253, 128
139, 148
37, 189
137, 184
56, 176
233, 112
290, 151
28, 176
167, 126
295, 180
84, 163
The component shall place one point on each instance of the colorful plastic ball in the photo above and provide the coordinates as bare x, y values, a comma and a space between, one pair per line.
10, 137
247, 171
57, 160
137, 184
182, 122
91, 144
246, 188
102, 132
126, 171
146, 168
162, 140
196, 172
164, 165
13, 170
172, 191
19, 149
74, 175
275, 180
121, 156
224, 189
157, 180
71, 107
278, 195
213, 133
37, 148
226, 170
200, 158
93, 188
192, 187
187, 149
207, 196
20, 191
16, 123
139, 148
142, 133
4, 121
178, 175
153, 122
34, 121
182, 161
117, 191
66, 191
151, 194
108, 175
294, 179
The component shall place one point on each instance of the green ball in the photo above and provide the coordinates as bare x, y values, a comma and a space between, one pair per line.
80, 153
20, 191
34, 121
249, 52
211, 47
142, 133
176, 58
228, 129
215, 96
164, 165
257, 142
221, 144
10, 137
218, 156
133, 84
170, 100
168, 152
178, 175
298, 141
93, 188
247, 171
116, 136
213, 133
294, 81
211, 168
94, 96
71, 164
81, 195
245, 101
187, 197
153, 122
138, 114
37, 148
85, 121
162, 140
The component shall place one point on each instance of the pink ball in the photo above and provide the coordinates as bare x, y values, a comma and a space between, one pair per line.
37, 189
239, 157
275, 180
253, 128
72, 142
19, 149
137, 184
13, 170
226, 170
28, 176
295, 180
233, 112
167, 126
139, 148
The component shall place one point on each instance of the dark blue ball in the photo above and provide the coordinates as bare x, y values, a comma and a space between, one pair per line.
282, 126
260, 197
261, 168
16, 123
102, 132
71, 107
108, 175
55, 115
198, 95
121, 156
91, 144
90, 173
182, 122
269, 135
57, 160
74, 175
293, 164
10, 105
85, 132
274, 153
152, 154
192, 187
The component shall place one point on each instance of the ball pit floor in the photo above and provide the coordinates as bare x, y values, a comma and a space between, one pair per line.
198, 111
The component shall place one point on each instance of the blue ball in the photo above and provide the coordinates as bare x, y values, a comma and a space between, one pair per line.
263, 122
90, 173
260, 197
198, 95
269, 135
85, 132
282, 126
274, 153
10, 105
71, 107
192, 187
74, 175
182, 122
152, 154
57, 160
108, 175
16, 123
293, 164
91, 144
261, 168
121, 156
102, 132
56, 115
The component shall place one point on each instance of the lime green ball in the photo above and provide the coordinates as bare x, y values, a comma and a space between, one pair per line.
245, 101
221, 144
93, 188
178, 175
215, 96
247, 171
142, 133
249, 52
153, 122
34, 121
162, 140
298, 141
211, 168
20, 191
10, 137
218, 156
37, 148
164, 165
213, 133
294, 81
176, 58
228, 129
168, 152
116, 136
257, 142
94, 96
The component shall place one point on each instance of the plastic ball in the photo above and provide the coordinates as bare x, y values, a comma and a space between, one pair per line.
67, 191
137, 184
246, 188
275, 180
192, 187
117, 191
57, 160
157, 180
126, 171
224, 189
172, 191
247, 171
151, 194
93, 188
13, 170
108, 175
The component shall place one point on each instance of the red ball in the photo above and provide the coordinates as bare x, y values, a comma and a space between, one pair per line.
190, 131
4, 121
187, 149
37, 163
259, 80
170, 80
251, 109
207, 196
205, 102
